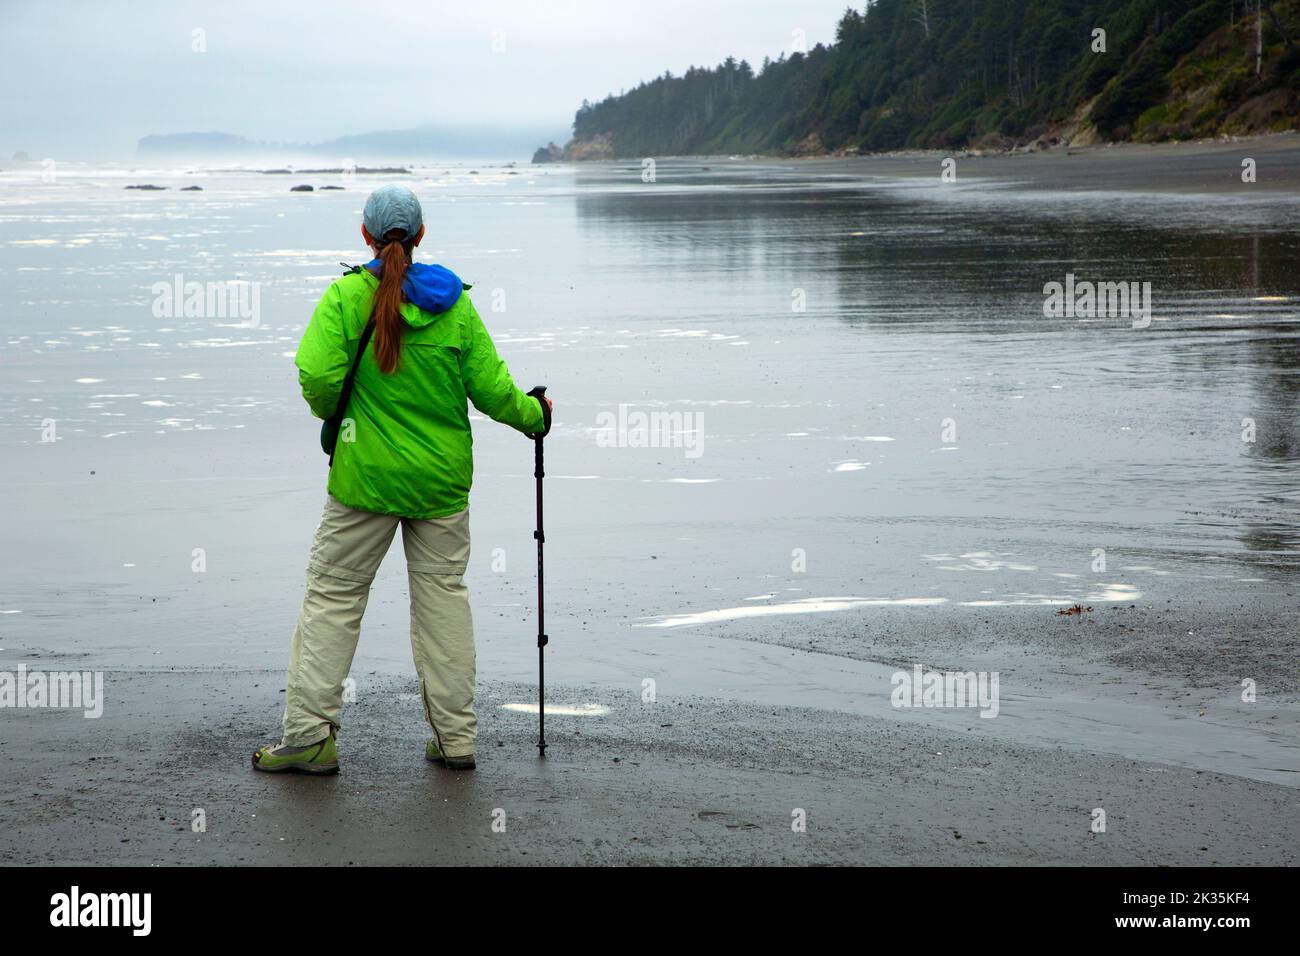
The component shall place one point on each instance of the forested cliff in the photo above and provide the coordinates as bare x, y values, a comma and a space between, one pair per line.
977, 73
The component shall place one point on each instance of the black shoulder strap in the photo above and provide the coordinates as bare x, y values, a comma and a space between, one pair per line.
336, 420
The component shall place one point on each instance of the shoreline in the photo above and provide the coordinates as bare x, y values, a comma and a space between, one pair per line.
1200, 166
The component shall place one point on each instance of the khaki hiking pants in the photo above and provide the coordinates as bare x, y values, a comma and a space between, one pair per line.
345, 555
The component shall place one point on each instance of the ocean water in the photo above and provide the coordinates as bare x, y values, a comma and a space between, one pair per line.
784, 396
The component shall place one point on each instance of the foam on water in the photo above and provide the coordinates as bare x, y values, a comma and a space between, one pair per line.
560, 710
801, 606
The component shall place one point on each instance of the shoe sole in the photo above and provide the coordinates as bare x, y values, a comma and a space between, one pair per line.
316, 770
460, 764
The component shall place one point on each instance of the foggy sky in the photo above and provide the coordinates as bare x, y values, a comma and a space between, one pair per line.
87, 79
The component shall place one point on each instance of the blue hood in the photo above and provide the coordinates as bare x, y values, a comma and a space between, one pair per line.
433, 288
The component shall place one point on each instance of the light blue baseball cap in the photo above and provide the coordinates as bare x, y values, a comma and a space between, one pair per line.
392, 207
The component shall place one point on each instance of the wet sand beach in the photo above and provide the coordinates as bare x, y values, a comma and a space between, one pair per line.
694, 781
1203, 166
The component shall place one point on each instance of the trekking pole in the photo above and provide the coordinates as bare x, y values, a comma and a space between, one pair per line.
539, 392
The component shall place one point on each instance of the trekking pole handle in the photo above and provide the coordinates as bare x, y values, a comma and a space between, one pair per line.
539, 392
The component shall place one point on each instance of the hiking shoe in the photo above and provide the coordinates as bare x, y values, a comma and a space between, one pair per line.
434, 755
321, 757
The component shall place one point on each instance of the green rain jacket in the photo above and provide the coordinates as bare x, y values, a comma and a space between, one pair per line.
411, 451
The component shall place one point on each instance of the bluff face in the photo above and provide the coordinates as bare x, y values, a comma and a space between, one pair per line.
992, 74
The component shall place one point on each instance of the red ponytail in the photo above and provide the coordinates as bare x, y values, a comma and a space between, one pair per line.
386, 311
